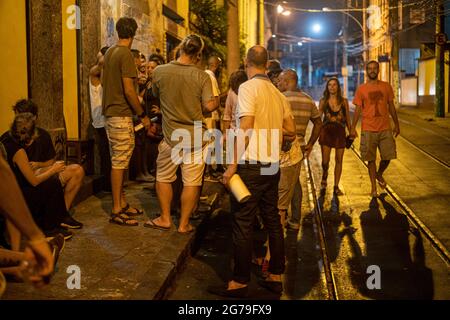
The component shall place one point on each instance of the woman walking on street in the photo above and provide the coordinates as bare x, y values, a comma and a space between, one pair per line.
336, 118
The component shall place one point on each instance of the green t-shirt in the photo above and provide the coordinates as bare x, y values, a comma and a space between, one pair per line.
182, 90
119, 63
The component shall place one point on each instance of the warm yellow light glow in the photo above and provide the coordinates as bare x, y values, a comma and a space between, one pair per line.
13, 59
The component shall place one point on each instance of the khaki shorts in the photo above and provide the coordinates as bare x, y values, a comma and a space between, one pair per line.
166, 168
384, 141
120, 131
288, 178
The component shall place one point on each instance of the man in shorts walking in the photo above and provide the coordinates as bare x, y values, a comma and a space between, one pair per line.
120, 100
375, 100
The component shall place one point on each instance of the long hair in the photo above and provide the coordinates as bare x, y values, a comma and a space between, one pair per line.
326, 93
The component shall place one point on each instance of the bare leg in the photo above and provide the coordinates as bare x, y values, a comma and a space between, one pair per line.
116, 186
372, 173
165, 194
325, 164
189, 199
383, 166
339, 156
14, 236
73, 176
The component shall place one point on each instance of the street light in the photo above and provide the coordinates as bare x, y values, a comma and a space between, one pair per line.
344, 53
279, 10
317, 28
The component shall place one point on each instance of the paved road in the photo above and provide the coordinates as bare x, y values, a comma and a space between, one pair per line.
360, 233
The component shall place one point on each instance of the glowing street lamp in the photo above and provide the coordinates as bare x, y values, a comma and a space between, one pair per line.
284, 12
317, 28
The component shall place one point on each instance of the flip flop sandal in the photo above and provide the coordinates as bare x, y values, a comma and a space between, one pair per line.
337, 191
382, 184
153, 225
132, 214
122, 220
187, 232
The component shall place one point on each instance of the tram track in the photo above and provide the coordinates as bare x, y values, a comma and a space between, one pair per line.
413, 218
325, 262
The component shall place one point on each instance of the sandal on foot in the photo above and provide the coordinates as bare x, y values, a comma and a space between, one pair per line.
337, 191
153, 225
187, 232
381, 182
131, 214
123, 220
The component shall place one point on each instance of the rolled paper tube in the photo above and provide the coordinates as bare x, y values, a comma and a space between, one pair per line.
140, 126
239, 189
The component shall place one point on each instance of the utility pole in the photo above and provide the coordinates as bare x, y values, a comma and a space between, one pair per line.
344, 50
335, 57
365, 44
275, 28
233, 53
395, 50
309, 65
440, 65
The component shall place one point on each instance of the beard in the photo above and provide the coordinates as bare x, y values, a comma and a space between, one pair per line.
373, 76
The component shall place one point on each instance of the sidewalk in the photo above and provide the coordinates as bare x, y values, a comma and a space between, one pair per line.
116, 262
426, 115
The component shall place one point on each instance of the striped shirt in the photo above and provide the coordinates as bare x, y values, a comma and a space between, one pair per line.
304, 109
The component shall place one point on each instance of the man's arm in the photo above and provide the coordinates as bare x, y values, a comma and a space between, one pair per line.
211, 105
317, 122
246, 123
356, 116
133, 100
289, 128
393, 113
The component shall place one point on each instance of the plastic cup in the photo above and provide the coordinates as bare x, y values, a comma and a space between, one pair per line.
239, 189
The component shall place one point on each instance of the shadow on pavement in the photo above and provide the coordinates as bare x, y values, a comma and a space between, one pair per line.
387, 236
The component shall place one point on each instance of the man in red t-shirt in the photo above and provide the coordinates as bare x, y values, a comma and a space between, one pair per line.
375, 100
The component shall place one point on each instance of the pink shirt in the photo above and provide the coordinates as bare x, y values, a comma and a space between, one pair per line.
229, 114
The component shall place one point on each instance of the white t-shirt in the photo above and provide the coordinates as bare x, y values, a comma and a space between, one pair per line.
216, 91
96, 93
259, 98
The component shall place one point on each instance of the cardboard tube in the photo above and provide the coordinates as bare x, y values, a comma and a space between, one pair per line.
239, 189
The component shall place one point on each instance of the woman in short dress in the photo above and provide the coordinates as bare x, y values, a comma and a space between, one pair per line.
336, 118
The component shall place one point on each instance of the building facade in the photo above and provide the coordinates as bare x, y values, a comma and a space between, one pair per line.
401, 37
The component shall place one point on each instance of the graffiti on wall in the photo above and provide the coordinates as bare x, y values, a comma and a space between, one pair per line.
109, 16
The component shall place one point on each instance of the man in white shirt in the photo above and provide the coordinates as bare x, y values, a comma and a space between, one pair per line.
98, 120
264, 113
212, 117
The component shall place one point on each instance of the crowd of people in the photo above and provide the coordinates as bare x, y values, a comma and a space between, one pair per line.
171, 102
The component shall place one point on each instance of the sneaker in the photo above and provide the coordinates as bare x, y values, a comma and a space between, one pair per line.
70, 223
55, 232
